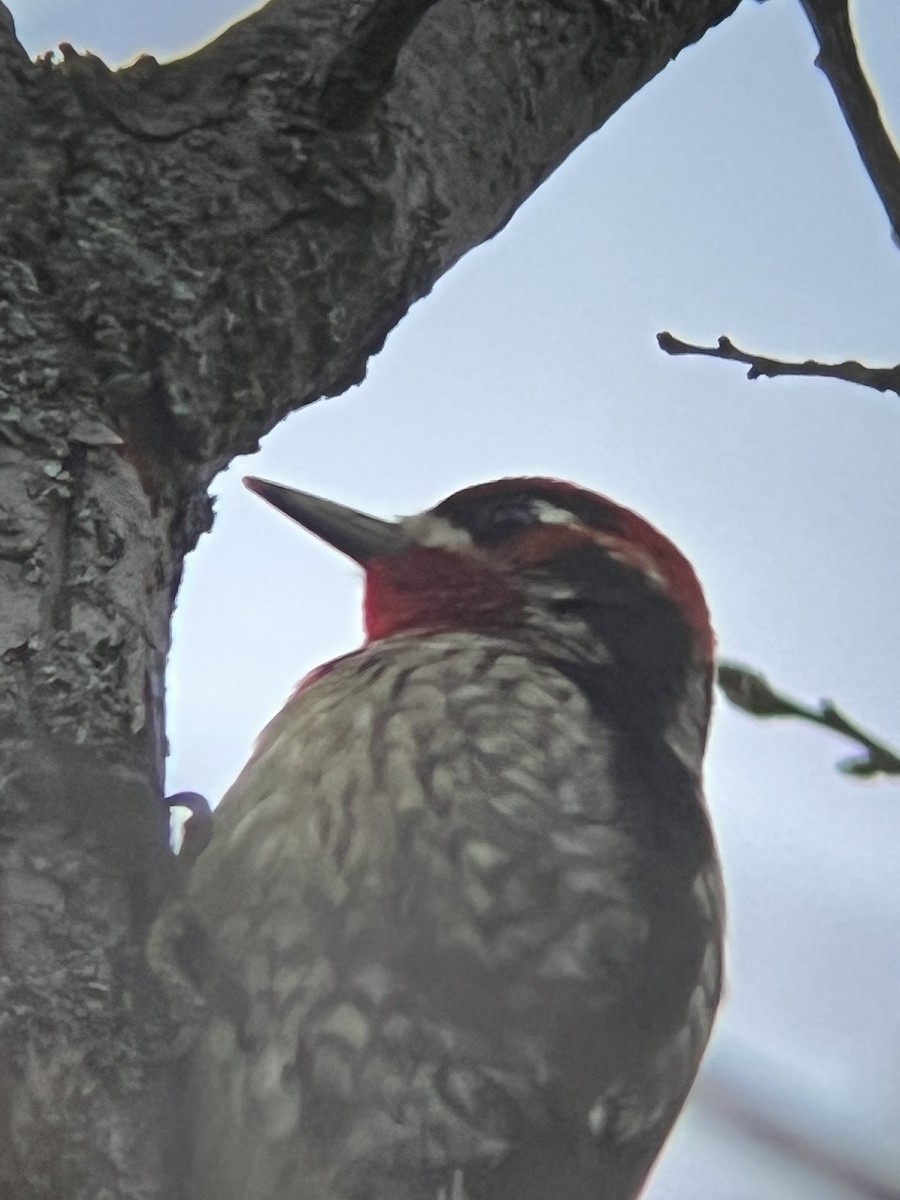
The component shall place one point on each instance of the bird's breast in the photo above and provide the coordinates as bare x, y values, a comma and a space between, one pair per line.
440, 900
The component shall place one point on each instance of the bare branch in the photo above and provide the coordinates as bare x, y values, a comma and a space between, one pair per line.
839, 62
727, 1100
752, 692
882, 379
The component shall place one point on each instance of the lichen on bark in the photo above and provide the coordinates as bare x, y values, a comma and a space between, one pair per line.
187, 253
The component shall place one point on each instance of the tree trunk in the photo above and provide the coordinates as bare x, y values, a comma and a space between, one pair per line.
187, 253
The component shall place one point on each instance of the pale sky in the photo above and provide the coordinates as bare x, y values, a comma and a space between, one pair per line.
725, 198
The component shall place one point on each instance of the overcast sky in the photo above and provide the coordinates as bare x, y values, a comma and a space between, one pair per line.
725, 198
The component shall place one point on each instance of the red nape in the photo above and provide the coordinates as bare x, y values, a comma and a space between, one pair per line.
640, 544
681, 581
434, 589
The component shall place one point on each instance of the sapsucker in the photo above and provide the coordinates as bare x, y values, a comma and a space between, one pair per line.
459, 929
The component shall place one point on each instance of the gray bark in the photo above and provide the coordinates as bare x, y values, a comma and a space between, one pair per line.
187, 253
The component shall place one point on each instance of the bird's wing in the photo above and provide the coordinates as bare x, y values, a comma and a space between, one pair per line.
425, 942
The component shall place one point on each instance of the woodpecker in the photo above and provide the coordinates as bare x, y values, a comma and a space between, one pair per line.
459, 928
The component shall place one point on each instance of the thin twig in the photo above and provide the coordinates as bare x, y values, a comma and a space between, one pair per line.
839, 62
752, 692
726, 1100
883, 379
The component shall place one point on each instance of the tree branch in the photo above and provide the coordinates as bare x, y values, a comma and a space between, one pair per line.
14, 63
725, 1099
839, 62
188, 252
361, 73
751, 691
9, 44
882, 379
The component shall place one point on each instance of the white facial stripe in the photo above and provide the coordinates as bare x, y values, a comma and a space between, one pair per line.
552, 589
549, 514
634, 557
429, 530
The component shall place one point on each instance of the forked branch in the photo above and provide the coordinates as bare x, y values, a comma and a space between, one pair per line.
751, 691
839, 61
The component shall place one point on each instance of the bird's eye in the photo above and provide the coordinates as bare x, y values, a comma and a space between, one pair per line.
571, 606
514, 516
503, 521
493, 519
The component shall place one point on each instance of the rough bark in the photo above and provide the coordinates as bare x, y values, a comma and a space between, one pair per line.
187, 253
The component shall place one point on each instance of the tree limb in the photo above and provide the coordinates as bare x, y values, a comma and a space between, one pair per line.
751, 691
188, 252
360, 74
839, 62
882, 379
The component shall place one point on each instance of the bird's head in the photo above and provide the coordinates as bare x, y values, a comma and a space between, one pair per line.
575, 574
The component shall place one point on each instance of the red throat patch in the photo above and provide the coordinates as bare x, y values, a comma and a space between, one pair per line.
435, 589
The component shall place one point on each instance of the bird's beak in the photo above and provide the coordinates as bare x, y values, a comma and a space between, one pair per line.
355, 534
